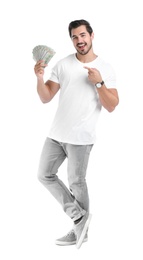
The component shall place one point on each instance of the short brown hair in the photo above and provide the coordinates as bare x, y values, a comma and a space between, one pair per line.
77, 23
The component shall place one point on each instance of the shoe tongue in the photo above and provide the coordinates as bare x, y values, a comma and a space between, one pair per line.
70, 233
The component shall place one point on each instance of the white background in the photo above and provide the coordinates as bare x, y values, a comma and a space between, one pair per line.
30, 219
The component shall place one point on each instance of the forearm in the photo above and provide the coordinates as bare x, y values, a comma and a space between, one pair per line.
43, 91
108, 98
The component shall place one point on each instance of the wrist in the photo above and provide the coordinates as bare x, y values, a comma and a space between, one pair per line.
40, 78
99, 84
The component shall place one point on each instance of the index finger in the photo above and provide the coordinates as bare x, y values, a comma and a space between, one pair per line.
89, 69
41, 63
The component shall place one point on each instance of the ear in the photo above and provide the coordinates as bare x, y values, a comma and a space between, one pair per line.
92, 35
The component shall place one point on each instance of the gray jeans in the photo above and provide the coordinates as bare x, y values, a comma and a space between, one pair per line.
75, 200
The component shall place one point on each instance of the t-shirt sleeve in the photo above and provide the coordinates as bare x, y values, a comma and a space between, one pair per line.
54, 74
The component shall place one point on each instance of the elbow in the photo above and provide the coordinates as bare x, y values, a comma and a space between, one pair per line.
112, 108
43, 97
44, 101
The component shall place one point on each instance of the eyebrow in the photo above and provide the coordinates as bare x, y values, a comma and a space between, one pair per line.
82, 33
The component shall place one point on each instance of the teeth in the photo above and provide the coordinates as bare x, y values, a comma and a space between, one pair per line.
81, 45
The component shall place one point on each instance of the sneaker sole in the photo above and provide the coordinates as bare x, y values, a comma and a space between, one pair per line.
81, 239
60, 243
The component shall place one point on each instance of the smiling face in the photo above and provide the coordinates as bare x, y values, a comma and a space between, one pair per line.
82, 40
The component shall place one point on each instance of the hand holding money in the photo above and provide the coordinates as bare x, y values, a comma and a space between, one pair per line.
42, 54
39, 68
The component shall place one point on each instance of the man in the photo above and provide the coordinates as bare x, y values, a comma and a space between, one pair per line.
86, 83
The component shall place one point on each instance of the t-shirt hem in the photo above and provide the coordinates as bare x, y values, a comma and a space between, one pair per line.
73, 142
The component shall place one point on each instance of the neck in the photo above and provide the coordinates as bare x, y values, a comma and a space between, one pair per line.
86, 58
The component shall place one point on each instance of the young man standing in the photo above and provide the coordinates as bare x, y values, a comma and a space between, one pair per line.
86, 83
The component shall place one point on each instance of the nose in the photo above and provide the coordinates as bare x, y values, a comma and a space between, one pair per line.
79, 40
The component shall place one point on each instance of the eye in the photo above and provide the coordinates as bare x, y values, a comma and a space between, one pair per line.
74, 37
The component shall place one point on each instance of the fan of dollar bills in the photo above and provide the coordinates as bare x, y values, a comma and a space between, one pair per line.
43, 52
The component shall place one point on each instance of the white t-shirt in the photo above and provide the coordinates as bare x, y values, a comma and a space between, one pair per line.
79, 106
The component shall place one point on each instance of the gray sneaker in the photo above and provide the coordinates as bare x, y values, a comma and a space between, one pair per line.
69, 239
81, 229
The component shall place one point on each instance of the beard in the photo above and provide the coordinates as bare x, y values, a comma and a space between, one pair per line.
84, 52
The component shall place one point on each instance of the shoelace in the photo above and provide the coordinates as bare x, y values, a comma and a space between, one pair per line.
70, 233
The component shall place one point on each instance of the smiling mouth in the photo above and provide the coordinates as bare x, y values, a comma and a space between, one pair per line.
81, 45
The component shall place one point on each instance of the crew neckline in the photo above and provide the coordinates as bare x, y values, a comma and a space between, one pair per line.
83, 63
